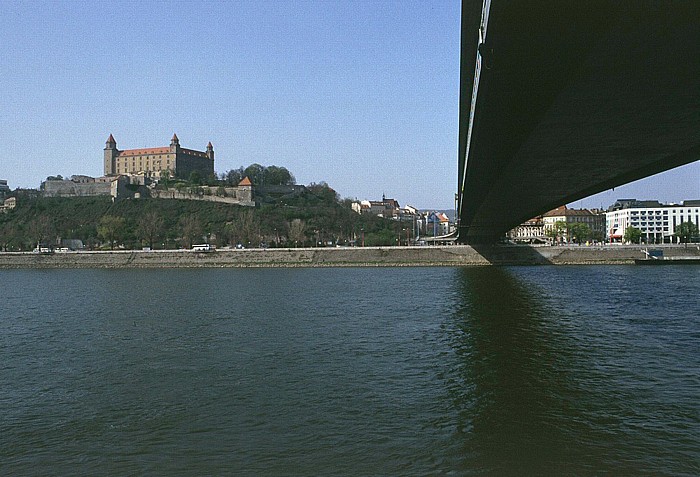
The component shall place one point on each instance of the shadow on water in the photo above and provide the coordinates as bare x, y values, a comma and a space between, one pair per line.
516, 388
511, 254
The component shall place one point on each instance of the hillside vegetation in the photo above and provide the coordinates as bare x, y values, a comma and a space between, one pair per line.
311, 219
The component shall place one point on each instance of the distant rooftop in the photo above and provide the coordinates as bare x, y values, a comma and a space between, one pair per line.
648, 204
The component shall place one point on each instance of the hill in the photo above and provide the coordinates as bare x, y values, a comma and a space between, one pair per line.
306, 220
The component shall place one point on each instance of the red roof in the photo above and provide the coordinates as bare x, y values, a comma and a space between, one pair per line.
141, 152
564, 211
245, 182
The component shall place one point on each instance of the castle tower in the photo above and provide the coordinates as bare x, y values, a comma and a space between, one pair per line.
174, 144
210, 152
110, 156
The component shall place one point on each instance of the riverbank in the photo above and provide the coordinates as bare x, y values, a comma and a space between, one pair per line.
455, 255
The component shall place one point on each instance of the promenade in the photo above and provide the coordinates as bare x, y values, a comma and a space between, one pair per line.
454, 255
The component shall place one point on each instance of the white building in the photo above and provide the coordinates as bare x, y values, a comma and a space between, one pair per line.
656, 221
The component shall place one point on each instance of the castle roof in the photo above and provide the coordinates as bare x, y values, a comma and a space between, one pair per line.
111, 139
209, 145
150, 150
175, 139
245, 182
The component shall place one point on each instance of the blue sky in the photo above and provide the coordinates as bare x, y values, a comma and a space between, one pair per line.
361, 94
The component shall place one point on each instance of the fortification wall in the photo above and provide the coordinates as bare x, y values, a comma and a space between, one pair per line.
73, 189
234, 196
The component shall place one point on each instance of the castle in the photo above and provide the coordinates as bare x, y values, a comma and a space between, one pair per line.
151, 162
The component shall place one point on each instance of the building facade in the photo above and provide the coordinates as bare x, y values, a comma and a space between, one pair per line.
656, 221
179, 161
4, 189
594, 221
530, 231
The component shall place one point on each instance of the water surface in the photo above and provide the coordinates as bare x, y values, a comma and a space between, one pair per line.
391, 371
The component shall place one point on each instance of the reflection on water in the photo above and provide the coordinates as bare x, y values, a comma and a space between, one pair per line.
538, 392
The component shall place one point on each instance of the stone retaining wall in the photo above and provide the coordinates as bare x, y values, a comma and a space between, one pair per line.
456, 255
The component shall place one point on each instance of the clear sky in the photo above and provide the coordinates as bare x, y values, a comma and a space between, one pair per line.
360, 94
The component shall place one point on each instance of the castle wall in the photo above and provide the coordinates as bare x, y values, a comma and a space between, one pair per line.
234, 195
189, 162
67, 188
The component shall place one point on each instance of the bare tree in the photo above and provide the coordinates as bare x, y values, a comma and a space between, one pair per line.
150, 227
8, 234
41, 229
296, 231
191, 230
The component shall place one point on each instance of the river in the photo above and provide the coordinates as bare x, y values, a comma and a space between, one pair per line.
577, 370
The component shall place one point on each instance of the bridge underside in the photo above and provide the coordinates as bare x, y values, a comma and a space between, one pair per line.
573, 98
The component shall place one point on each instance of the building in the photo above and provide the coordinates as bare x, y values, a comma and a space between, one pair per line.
4, 189
181, 162
8, 204
387, 208
594, 221
656, 221
530, 231
437, 224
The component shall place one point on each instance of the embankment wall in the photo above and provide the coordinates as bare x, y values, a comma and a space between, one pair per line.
456, 255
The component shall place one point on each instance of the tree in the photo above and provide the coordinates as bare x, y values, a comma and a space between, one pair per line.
190, 229
275, 175
150, 227
233, 176
8, 234
256, 174
165, 178
41, 229
324, 192
110, 229
195, 178
686, 231
556, 232
579, 232
632, 235
296, 231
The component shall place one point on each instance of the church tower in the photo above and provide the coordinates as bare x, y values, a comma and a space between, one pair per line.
110, 156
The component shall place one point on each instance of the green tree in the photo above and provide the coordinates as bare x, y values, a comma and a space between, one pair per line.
233, 176
686, 231
256, 174
165, 178
150, 227
579, 232
195, 178
632, 235
557, 231
275, 175
324, 192
111, 228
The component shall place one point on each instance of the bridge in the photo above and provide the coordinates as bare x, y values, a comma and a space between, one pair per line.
560, 100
